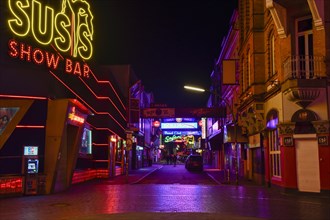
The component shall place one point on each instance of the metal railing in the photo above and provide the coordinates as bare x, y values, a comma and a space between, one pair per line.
303, 67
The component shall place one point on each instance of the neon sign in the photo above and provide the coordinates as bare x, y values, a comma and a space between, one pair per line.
182, 125
190, 139
70, 29
74, 116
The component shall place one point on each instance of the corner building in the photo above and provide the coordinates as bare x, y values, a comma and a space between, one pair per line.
284, 103
62, 119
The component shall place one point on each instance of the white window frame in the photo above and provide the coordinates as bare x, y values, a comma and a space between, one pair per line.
274, 153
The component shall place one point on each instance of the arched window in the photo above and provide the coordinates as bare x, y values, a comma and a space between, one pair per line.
274, 144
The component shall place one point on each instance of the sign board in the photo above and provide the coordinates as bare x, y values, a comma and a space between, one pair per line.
229, 72
158, 113
215, 112
158, 105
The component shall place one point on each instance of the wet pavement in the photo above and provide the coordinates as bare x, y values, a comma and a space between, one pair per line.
123, 198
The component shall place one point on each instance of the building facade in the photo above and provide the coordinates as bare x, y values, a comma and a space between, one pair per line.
227, 143
64, 119
272, 76
284, 92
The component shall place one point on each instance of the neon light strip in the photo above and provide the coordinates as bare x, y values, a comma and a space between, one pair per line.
98, 113
109, 83
102, 97
24, 97
60, 55
100, 145
30, 126
102, 129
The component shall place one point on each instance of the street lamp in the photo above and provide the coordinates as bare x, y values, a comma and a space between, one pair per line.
198, 89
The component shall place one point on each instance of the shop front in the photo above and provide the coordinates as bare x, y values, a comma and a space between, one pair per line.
50, 98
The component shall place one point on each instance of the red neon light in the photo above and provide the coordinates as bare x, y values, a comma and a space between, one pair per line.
24, 97
102, 97
100, 145
59, 54
75, 68
95, 112
11, 185
27, 53
102, 129
109, 83
156, 124
30, 126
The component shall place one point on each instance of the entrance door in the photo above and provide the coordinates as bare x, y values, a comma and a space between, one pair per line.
308, 171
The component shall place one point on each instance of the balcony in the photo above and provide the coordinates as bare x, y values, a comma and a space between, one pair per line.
303, 67
303, 79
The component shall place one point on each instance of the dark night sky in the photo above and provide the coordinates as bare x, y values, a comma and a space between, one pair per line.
169, 43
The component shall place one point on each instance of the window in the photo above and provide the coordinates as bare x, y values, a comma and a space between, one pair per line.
274, 145
243, 75
248, 65
271, 52
304, 48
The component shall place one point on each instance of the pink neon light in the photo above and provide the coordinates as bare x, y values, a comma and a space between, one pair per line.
98, 113
102, 97
109, 83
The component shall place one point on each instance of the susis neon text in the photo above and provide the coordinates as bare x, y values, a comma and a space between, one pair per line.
69, 30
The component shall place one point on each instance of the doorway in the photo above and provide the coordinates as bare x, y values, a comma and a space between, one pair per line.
308, 171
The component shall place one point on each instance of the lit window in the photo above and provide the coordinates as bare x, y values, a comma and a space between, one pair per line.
274, 144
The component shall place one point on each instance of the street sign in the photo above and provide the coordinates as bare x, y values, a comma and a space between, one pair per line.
158, 112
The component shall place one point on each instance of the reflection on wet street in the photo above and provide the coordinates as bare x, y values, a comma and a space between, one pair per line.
99, 200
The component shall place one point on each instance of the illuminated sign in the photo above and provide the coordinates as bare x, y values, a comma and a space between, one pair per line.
156, 124
86, 142
30, 151
68, 30
182, 125
203, 125
182, 132
173, 138
190, 139
113, 138
74, 116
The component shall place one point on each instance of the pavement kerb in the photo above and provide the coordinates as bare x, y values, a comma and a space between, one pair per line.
144, 176
214, 179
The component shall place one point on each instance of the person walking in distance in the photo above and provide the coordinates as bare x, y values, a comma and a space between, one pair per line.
174, 158
168, 158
